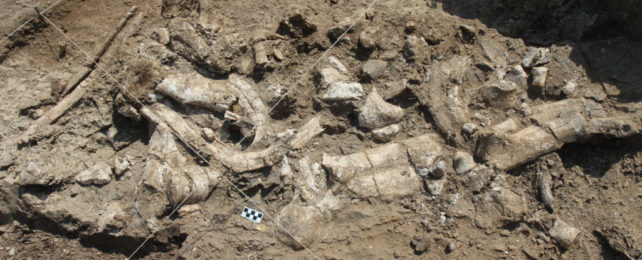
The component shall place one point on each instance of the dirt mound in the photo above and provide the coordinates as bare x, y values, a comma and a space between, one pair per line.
411, 129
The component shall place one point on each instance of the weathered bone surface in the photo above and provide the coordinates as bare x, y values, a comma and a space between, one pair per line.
544, 184
445, 99
227, 156
559, 122
389, 170
219, 95
377, 113
385, 134
564, 233
308, 131
343, 91
194, 89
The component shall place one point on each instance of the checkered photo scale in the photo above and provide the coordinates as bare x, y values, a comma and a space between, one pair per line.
251, 214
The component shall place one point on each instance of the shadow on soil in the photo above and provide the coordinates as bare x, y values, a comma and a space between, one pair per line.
605, 35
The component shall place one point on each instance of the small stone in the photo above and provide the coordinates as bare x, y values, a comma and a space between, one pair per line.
100, 174
12, 251
396, 254
504, 233
209, 134
162, 36
366, 38
439, 170
335, 32
260, 54
539, 76
469, 128
464, 162
328, 76
343, 91
376, 112
373, 69
189, 209
517, 75
62, 49
569, 88
122, 164
245, 65
278, 55
536, 57
563, 233
415, 48
451, 248
385, 134
337, 64
467, 34
500, 93
419, 244
435, 187
411, 26
479, 178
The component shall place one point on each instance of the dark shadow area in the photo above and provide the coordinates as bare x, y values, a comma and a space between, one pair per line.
597, 156
606, 36
607, 251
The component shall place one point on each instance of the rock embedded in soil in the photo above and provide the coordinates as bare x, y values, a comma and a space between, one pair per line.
123, 164
373, 69
467, 34
385, 134
536, 57
260, 54
539, 76
99, 174
336, 31
500, 93
343, 91
464, 162
378, 113
419, 244
330, 75
563, 233
415, 48
337, 64
569, 88
304, 222
367, 38
209, 134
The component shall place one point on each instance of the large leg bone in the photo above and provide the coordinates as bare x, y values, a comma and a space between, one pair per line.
557, 123
234, 160
387, 170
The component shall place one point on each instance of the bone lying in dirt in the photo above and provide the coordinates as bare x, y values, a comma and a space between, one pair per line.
558, 123
194, 89
55, 112
445, 102
168, 171
544, 183
234, 160
220, 96
90, 64
389, 170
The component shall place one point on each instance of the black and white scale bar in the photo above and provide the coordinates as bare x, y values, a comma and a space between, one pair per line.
251, 214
